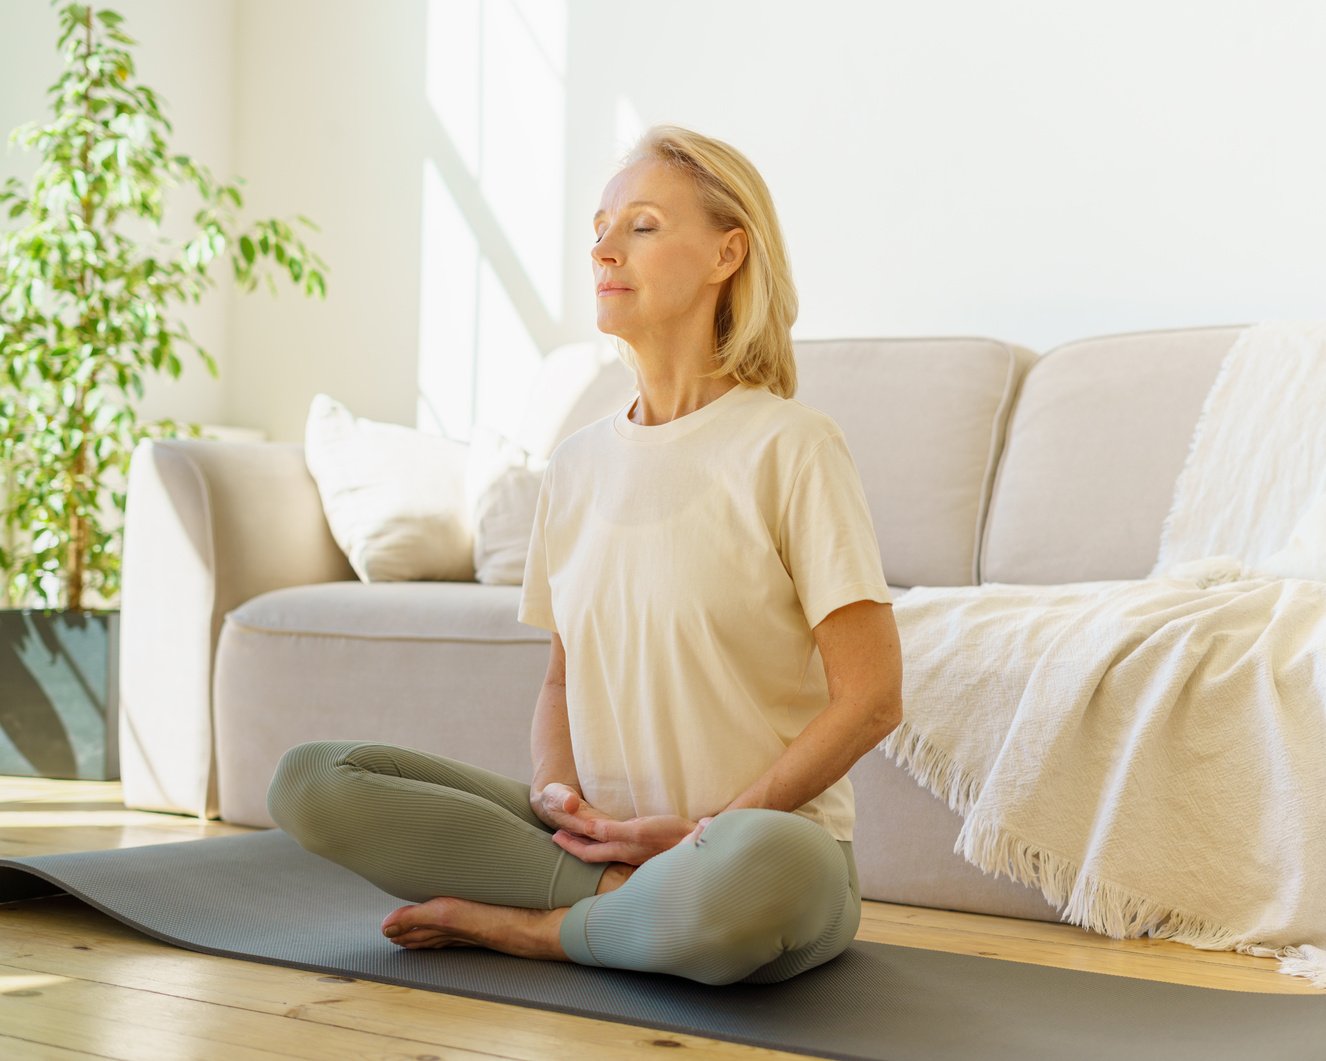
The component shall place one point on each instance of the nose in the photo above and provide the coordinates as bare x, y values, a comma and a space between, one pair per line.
605, 250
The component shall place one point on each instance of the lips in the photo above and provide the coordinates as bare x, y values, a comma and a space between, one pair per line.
611, 288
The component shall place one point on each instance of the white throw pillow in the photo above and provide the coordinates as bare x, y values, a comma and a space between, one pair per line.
394, 497
1305, 555
502, 486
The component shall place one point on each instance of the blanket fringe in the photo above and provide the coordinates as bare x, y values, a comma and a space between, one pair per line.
932, 767
1089, 902
1094, 904
1306, 961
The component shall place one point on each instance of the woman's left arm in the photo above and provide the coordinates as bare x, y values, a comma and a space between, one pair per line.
863, 663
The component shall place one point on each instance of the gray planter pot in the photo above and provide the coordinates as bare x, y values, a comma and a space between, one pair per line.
59, 694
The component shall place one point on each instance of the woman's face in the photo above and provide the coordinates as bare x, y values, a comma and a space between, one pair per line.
652, 237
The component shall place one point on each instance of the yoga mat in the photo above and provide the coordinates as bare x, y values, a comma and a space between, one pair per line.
261, 897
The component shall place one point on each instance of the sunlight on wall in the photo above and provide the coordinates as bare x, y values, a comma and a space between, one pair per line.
448, 282
628, 125
493, 209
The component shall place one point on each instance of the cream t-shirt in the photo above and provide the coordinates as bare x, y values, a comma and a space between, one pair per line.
684, 566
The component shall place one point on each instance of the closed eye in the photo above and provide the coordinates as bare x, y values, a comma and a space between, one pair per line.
597, 238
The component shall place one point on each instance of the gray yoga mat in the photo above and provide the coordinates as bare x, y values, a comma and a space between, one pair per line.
262, 897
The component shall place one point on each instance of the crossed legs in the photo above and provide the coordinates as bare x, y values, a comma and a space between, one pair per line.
766, 895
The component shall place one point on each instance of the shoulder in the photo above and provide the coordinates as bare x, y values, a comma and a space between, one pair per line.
792, 428
582, 445
812, 423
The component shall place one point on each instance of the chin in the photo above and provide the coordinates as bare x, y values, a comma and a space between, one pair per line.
607, 328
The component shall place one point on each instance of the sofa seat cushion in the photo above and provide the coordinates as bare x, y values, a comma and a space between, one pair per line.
440, 666
433, 611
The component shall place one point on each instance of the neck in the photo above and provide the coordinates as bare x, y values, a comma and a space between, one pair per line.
665, 398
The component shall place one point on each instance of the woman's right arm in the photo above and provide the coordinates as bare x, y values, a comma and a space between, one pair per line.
554, 793
550, 737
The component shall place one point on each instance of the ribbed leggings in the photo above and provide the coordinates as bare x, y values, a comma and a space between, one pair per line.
767, 895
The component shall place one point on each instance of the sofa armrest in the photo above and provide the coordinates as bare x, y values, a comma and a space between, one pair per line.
208, 525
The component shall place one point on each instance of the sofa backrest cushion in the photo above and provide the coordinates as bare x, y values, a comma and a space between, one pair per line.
575, 384
1095, 444
925, 421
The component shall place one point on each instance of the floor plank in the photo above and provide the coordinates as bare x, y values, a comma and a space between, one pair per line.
75, 983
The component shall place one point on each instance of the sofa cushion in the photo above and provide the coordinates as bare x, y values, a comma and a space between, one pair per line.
924, 419
502, 484
440, 666
1095, 444
394, 497
574, 385
436, 611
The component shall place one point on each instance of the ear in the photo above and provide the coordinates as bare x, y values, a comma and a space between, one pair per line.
731, 252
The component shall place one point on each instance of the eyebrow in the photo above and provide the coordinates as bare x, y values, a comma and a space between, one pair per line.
638, 202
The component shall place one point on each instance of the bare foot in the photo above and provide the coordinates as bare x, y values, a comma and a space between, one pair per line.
447, 922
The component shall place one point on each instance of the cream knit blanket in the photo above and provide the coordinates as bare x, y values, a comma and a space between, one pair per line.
1149, 754
1255, 476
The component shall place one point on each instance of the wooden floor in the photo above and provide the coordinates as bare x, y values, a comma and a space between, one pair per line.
75, 983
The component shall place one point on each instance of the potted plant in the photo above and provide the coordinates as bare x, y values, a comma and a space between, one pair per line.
86, 314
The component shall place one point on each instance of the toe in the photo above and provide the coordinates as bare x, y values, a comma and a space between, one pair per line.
397, 921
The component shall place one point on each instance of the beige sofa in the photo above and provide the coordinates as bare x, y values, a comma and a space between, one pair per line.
244, 630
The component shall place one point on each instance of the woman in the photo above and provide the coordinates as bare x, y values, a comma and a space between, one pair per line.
723, 645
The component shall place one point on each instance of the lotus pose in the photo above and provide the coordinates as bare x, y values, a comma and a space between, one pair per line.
723, 646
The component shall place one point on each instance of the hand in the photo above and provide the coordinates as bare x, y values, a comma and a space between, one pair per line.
633, 841
562, 807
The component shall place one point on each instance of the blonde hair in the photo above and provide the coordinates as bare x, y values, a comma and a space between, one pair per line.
754, 317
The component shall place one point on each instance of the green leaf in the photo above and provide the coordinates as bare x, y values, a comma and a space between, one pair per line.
102, 151
86, 313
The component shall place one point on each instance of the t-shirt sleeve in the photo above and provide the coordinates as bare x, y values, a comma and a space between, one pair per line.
828, 539
535, 607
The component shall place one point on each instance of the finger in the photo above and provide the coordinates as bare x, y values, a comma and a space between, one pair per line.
696, 835
594, 851
570, 840
557, 796
577, 845
571, 827
612, 830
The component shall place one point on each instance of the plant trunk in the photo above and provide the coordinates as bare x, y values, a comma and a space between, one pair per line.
78, 544
78, 529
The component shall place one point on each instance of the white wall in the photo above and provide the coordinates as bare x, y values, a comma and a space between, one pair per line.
186, 54
1036, 171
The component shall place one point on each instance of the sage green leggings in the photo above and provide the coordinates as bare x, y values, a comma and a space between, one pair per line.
767, 894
